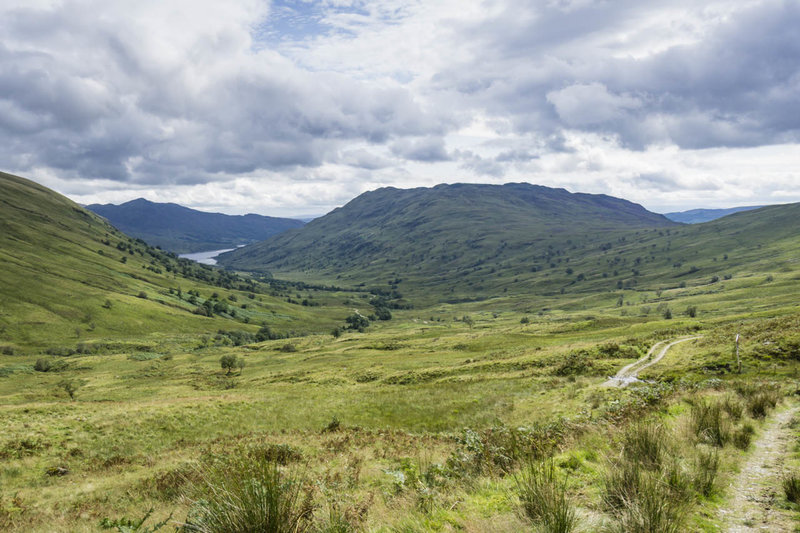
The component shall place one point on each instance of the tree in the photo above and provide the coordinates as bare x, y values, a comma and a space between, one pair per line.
357, 321
468, 321
70, 386
229, 362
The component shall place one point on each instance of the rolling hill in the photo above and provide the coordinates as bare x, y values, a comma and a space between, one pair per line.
183, 230
68, 277
697, 216
472, 242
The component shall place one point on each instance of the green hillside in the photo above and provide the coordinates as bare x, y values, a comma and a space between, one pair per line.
474, 242
67, 277
183, 230
434, 236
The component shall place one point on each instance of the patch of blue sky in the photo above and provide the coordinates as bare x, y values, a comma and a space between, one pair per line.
295, 21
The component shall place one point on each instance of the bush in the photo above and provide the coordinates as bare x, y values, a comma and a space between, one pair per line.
42, 365
142, 295
288, 348
544, 499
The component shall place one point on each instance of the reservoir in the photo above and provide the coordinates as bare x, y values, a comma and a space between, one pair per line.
206, 258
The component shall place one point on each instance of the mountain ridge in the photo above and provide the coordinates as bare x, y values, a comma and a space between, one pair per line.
698, 216
181, 229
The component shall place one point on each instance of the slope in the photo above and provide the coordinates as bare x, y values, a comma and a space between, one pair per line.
183, 230
472, 242
68, 277
441, 232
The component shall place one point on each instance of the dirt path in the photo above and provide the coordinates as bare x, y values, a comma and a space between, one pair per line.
756, 490
630, 373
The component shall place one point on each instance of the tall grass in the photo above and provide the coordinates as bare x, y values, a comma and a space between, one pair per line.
791, 487
706, 466
759, 404
249, 494
543, 494
709, 423
645, 443
653, 509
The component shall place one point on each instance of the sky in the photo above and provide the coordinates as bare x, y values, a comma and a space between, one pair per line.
294, 107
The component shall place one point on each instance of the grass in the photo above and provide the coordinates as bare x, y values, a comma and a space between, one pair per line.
421, 423
543, 495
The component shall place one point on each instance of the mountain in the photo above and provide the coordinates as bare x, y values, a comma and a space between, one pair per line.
697, 216
67, 278
183, 230
456, 243
444, 232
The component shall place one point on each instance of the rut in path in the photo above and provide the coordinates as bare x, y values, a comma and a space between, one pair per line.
757, 490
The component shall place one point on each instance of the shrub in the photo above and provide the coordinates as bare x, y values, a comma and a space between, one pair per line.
544, 499
288, 348
42, 365
70, 386
142, 295
524, 320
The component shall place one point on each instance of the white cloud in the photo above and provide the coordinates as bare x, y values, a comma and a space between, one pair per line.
295, 106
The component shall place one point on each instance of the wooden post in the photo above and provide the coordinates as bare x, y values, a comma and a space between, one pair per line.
738, 361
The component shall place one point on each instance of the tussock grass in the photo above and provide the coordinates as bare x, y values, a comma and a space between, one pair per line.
544, 498
249, 494
791, 486
653, 508
645, 443
709, 424
706, 466
759, 404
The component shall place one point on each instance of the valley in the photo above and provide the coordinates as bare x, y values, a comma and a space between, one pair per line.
391, 388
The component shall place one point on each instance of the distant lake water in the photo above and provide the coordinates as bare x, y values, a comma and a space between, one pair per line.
206, 258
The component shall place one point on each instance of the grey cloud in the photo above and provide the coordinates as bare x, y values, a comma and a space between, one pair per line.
86, 97
733, 88
429, 149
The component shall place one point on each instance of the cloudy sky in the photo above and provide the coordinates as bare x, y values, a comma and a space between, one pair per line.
294, 107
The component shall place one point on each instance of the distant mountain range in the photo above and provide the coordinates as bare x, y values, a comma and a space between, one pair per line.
697, 216
183, 230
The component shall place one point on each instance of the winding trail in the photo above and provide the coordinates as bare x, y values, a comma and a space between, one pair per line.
756, 490
630, 373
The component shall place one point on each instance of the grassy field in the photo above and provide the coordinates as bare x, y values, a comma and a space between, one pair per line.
487, 415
